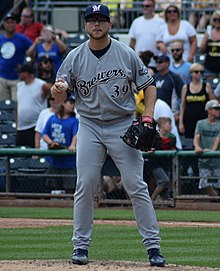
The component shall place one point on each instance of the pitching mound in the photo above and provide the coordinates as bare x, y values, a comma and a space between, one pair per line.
92, 266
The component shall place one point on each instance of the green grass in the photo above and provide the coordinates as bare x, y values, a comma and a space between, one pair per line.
186, 246
109, 214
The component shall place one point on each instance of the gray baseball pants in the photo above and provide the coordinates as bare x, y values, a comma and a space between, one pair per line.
95, 139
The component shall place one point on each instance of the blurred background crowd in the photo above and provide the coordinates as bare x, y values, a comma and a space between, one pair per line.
185, 67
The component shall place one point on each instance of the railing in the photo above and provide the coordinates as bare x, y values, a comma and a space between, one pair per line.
129, 14
44, 12
184, 184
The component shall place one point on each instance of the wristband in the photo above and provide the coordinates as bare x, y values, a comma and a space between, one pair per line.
147, 119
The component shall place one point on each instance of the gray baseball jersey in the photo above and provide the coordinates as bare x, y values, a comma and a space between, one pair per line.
105, 102
103, 86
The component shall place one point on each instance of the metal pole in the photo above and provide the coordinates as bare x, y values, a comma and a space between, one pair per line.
7, 175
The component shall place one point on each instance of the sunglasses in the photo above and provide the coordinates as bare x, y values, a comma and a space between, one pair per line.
176, 50
198, 72
26, 16
99, 20
47, 61
147, 6
171, 11
160, 61
216, 20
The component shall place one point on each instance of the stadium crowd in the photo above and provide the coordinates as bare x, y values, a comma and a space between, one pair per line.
32, 52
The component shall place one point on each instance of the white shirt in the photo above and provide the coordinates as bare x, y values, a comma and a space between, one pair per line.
162, 109
29, 103
217, 91
186, 30
41, 122
144, 32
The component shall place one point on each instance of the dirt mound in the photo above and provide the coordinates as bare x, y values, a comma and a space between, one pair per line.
50, 265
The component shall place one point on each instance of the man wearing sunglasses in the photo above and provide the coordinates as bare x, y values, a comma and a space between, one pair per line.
178, 65
143, 30
168, 84
27, 26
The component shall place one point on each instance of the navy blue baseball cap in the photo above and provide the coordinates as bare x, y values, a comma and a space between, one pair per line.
163, 57
26, 68
97, 9
71, 98
9, 16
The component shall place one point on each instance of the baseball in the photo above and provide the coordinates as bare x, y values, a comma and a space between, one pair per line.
62, 85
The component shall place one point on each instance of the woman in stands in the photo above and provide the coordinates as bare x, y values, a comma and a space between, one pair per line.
48, 45
211, 46
193, 100
177, 29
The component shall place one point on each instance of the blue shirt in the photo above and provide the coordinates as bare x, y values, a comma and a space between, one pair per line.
62, 131
182, 71
12, 54
54, 53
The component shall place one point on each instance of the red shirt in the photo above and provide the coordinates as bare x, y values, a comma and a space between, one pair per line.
32, 31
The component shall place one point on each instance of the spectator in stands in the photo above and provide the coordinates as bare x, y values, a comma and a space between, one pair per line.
44, 115
211, 46
60, 132
200, 19
169, 84
178, 65
45, 70
28, 26
143, 31
13, 47
161, 4
177, 29
146, 57
217, 91
168, 138
161, 109
161, 169
20, 6
32, 29
31, 100
48, 45
113, 188
194, 97
207, 138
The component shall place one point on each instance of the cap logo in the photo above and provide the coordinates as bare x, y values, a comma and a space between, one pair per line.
96, 8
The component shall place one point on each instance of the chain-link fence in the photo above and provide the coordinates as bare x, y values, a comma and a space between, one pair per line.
183, 174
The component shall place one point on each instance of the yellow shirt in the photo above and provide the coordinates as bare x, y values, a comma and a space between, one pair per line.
139, 97
113, 5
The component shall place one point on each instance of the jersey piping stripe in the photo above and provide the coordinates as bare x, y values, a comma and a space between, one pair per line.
145, 84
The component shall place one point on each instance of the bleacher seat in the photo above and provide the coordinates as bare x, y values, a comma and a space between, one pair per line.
213, 81
7, 116
8, 128
76, 40
27, 164
8, 105
24, 178
7, 141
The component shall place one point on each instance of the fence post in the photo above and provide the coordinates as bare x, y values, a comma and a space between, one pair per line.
7, 175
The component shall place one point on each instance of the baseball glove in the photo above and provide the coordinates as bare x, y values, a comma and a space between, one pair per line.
142, 134
55, 146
